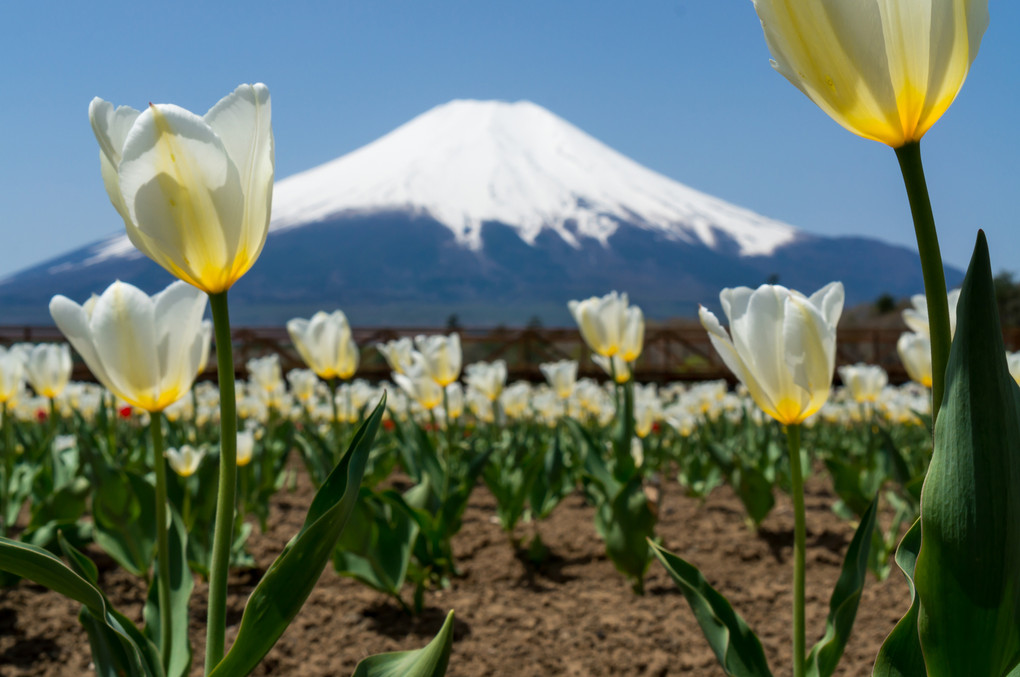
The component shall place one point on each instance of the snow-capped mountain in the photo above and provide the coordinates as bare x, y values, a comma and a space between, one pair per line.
466, 163
498, 212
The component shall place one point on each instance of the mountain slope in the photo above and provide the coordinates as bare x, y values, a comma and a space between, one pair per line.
499, 213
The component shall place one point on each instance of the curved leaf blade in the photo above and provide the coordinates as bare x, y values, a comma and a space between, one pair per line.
900, 655
181, 585
118, 647
846, 596
735, 645
970, 544
429, 661
289, 580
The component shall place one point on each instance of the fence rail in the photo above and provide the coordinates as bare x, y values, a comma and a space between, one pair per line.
670, 354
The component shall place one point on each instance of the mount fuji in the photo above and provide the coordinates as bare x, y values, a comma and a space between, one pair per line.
498, 213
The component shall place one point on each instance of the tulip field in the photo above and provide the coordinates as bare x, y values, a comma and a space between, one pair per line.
449, 521
517, 471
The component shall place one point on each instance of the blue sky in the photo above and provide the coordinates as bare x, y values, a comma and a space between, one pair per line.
682, 86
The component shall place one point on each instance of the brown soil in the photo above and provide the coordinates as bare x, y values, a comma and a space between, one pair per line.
573, 615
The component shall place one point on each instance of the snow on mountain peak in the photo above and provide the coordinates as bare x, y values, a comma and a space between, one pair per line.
467, 162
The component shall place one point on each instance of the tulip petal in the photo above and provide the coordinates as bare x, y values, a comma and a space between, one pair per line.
111, 128
758, 339
829, 301
73, 322
724, 346
178, 315
123, 329
184, 194
242, 121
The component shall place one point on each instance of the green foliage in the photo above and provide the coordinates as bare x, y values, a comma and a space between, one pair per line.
735, 645
289, 580
966, 569
430, 661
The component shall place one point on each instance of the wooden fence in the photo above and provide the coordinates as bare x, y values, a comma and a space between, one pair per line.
671, 353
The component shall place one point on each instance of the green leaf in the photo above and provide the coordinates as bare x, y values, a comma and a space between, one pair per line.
825, 655
46, 569
735, 645
289, 580
755, 492
627, 524
125, 524
966, 573
116, 651
181, 585
430, 661
376, 545
900, 655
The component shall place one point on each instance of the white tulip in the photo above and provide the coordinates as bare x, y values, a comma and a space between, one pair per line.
864, 381
561, 375
185, 461
12, 373
602, 321
916, 318
326, 344
195, 192
487, 378
442, 357
915, 353
883, 70
783, 346
398, 354
245, 447
419, 385
48, 368
145, 350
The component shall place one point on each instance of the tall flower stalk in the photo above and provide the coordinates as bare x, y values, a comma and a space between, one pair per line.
226, 488
162, 537
909, 156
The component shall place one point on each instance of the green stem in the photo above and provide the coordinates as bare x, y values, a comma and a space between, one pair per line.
110, 403
449, 445
336, 417
909, 157
186, 505
799, 538
162, 538
8, 464
227, 489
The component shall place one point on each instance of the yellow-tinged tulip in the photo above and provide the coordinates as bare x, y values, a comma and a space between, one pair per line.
886, 70
442, 357
487, 378
1013, 362
614, 366
48, 368
916, 318
325, 344
864, 381
12, 373
783, 346
398, 353
145, 350
419, 384
195, 192
915, 353
245, 447
185, 461
561, 375
602, 321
